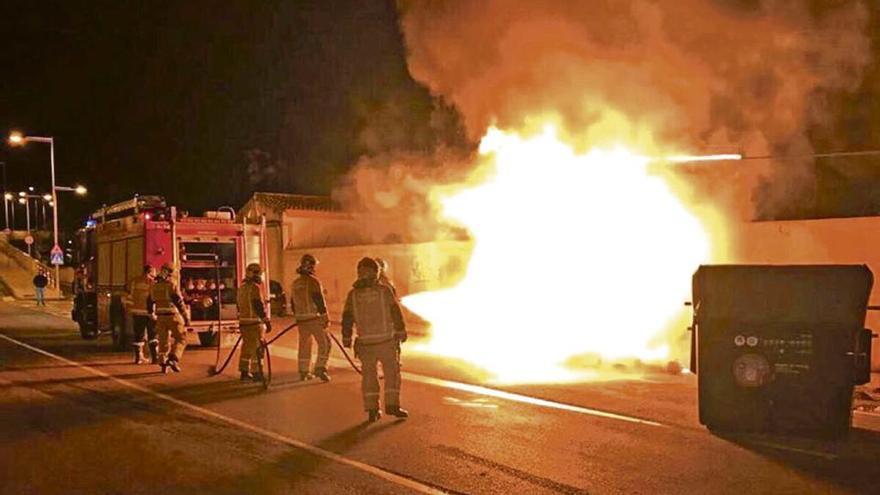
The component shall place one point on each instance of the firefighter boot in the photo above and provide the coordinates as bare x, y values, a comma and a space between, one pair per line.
305, 375
322, 374
373, 415
246, 377
258, 376
397, 412
153, 346
139, 353
173, 363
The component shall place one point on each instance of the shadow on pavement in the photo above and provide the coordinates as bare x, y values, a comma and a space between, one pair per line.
850, 462
72, 380
222, 389
297, 465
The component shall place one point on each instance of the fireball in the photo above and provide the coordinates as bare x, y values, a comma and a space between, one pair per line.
575, 254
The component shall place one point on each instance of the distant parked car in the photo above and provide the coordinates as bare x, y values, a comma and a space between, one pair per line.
277, 298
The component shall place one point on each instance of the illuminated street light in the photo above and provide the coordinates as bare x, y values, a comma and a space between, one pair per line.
16, 139
7, 197
78, 189
47, 197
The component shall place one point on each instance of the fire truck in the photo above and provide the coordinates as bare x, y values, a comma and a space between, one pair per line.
209, 254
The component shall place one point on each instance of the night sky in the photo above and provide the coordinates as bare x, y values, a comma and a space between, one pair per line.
202, 102
205, 102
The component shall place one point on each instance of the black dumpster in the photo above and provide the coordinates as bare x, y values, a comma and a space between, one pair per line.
780, 348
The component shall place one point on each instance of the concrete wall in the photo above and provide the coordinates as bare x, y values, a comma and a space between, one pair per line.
828, 241
306, 229
413, 267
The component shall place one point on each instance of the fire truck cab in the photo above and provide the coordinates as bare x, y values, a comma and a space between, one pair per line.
209, 254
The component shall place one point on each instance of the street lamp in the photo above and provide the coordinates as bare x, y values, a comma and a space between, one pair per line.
7, 197
27, 208
16, 139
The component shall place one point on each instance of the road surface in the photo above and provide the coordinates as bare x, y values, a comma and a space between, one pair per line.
76, 417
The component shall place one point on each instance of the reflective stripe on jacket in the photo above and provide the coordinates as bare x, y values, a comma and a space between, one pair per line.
138, 292
371, 308
163, 294
308, 298
250, 303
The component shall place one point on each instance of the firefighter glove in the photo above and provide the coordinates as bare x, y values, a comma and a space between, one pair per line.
268, 326
401, 336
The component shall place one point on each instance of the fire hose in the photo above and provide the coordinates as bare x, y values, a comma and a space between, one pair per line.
266, 344
217, 371
344, 353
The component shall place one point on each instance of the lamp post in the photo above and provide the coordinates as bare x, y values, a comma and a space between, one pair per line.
17, 139
7, 197
27, 208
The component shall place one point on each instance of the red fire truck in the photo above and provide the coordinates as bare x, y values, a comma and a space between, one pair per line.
208, 252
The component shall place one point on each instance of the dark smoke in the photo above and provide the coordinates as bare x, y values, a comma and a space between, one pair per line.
754, 76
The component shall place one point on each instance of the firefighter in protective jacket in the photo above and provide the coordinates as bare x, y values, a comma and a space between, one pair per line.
253, 322
310, 310
142, 322
372, 307
166, 303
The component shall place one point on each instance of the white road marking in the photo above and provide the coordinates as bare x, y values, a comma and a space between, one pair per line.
291, 353
375, 471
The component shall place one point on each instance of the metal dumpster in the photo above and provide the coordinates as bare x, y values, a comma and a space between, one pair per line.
780, 348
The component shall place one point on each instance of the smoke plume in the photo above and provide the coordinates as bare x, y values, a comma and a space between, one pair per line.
702, 75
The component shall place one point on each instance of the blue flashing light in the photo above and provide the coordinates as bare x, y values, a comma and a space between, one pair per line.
91, 222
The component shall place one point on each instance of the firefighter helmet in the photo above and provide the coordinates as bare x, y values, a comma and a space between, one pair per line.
383, 265
307, 264
167, 270
367, 263
253, 270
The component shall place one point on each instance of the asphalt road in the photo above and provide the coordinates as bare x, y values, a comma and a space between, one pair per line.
76, 417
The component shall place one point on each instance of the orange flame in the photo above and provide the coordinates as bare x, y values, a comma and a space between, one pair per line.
574, 254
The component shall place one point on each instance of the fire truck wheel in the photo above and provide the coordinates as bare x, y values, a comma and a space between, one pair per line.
208, 339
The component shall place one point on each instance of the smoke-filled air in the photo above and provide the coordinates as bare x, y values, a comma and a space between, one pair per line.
584, 238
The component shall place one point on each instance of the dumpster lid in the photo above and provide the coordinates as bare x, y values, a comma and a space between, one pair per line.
835, 294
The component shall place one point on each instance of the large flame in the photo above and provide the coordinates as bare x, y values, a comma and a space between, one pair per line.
574, 254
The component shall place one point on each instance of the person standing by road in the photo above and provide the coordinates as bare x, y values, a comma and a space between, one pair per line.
253, 322
41, 281
310, 310
142, 322
372, 308
166, 303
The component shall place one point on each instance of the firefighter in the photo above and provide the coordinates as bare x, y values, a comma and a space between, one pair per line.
373, 309
166, 303
142, 321
253, 322
310, 310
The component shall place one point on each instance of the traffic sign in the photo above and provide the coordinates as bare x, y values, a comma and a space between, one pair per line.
28, 239
56, 255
